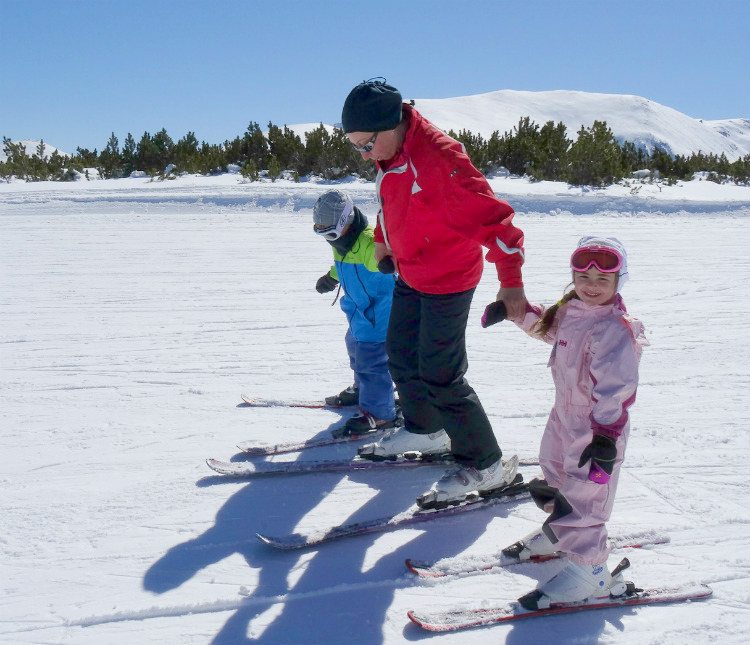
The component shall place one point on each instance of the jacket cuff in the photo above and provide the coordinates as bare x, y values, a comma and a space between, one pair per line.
608, 432
510, 276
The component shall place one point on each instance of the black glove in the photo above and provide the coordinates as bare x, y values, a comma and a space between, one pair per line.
386, 265
326, 283
495, 312
602, 452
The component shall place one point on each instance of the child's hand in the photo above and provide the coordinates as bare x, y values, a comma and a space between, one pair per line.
602, 452
325, 284
386, 265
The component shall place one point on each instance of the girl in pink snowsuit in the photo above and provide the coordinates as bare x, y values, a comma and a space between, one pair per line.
594, 363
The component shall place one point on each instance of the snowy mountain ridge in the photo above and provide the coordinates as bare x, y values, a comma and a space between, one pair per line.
631, 118
646, 123
31, 146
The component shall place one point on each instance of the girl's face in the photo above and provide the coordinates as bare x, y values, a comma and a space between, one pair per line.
594, 287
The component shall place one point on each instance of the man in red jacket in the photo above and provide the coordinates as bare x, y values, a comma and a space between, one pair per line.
436, 213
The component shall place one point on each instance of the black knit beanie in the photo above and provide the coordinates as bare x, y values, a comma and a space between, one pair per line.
372, 106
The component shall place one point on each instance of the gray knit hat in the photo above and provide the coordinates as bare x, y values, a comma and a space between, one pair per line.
372, 106
333, 209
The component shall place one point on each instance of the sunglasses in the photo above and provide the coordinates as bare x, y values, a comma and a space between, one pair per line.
367, 147
606, 260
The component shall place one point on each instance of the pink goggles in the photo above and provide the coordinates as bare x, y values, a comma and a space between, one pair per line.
604, 258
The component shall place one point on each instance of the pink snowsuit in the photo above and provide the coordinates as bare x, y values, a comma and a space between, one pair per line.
594, 366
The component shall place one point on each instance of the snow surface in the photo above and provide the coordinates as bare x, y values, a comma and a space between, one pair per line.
134, 313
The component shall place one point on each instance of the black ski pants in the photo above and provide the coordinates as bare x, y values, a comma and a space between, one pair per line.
426, 346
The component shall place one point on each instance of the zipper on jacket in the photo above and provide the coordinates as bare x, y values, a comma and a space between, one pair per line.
381, 214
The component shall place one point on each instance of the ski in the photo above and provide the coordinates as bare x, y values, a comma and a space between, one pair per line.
282, 448
516, 491
257, 402
247, 469
472, 565
457, 619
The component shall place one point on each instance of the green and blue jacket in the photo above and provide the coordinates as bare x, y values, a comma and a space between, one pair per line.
367, 292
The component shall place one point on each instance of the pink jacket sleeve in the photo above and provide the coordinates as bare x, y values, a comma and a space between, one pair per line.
616, 353
533, 314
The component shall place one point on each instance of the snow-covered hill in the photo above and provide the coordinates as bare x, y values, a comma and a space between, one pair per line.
631, 118
31, 147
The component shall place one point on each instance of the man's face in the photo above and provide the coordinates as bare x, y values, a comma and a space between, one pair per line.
385, 145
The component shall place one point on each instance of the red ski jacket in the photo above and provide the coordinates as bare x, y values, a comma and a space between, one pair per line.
437, 211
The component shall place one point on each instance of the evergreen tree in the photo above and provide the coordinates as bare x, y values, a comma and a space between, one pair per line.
475, 147
56, 170
250, 170
211, 159
233, 151
549, 158
37, 164
494, 151
85, 158
185, 154
129, 156
274, 168
595, 158
518, 148
154, 153
147, 154
110, 162
286, 146
254, 146
661, 162
633, 158
164, 144
328, 155
740, 170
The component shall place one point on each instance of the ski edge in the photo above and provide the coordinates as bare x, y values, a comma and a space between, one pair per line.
517, 491
256, 450
451, 567
442, 621
262, 402
248, 469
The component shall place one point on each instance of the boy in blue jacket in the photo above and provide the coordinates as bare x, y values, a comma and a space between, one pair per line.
367, 305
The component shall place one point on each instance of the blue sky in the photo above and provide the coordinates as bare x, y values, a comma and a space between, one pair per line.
74, 71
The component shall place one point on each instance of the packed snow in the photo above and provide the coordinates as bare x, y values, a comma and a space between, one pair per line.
135, 313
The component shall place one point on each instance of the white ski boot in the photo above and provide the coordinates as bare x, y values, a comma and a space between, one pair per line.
469, 484
401, 443
536, 545
576, 583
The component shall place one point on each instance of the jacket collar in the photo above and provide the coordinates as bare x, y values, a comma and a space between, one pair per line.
346, 242
414, 119
616, 306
